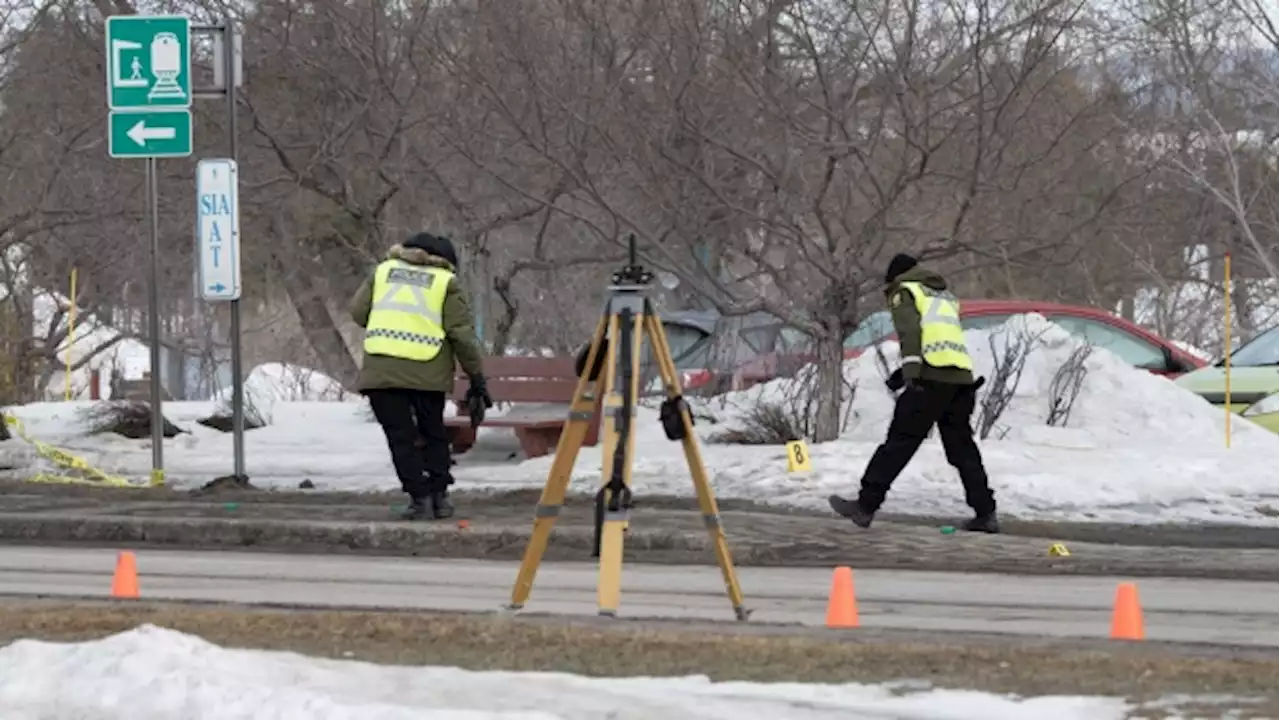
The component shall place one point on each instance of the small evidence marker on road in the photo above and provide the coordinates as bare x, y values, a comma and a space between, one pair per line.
798, 460
230, 507
947, 530
1059, 550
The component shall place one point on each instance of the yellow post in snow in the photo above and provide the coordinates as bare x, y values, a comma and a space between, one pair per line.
71, 335
1226, 340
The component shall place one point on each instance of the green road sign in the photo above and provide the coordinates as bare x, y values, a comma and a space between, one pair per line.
150, 133
148, 61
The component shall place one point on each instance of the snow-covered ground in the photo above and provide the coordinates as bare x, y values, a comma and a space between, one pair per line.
1137, 448
152, 672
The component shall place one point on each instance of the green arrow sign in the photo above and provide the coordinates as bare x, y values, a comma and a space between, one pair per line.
150, 133
148, 61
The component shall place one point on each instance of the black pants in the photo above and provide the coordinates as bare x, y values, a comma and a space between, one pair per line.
413, 421
949, 407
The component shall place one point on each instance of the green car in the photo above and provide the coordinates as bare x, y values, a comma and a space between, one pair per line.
1255, 380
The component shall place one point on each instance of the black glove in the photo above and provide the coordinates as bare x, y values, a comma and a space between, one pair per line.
910, 384
478, 400
894, 381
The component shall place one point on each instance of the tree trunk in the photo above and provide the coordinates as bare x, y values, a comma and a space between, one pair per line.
828, 387
317, 324
507, 319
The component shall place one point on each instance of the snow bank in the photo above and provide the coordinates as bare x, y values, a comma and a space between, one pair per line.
1117, 407
272, 383
152, 672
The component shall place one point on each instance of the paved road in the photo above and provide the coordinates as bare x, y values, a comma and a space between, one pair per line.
1210, 611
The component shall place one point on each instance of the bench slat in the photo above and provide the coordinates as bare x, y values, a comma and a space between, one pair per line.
525, 379
503, 422
530, 367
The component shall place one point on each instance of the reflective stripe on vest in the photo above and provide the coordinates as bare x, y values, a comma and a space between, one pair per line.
406, 320
941, 335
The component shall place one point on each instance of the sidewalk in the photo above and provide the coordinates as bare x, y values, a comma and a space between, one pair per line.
663, 530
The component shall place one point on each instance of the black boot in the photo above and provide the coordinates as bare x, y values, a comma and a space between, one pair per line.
441, 508
417, 509
984, 523
852, 510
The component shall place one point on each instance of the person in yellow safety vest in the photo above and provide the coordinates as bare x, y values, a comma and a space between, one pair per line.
938, 388
417, 325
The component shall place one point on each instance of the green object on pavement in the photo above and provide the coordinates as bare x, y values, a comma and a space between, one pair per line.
946, 530
230, 507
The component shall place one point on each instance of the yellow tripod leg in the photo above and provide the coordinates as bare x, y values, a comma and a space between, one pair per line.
614, 526
581, 413
697, 469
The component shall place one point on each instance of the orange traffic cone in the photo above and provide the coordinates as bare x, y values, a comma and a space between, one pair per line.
1126, 617
842, 608
125, 582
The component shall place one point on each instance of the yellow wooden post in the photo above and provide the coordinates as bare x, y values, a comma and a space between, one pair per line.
71, 335
1226, 340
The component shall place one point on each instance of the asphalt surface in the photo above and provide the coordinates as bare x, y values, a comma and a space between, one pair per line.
1181, 610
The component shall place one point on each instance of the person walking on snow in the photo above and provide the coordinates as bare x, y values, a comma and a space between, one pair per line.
938, 388
417, 326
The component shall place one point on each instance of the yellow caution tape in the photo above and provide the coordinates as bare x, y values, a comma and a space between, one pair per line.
89, 475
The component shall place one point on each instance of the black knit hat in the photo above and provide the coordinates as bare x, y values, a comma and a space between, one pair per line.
438, 245
898, 265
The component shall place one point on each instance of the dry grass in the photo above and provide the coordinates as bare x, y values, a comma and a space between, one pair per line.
592, 647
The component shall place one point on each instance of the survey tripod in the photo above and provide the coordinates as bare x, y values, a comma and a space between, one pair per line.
611, 372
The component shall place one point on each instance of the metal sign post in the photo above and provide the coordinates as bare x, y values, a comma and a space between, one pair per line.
149, 96
218, 265
153, 318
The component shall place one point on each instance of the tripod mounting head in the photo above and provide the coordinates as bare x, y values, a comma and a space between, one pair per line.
633, 273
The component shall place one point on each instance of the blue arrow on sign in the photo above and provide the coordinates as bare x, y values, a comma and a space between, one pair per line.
217, 287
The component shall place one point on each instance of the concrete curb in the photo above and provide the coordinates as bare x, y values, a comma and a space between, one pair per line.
441, 539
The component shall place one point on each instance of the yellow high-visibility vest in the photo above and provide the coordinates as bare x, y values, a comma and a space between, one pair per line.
941, 335
407, 316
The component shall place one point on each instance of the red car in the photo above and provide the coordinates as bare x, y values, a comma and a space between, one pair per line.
1130, 342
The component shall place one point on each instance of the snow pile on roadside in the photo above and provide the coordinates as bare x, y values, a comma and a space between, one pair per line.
152, 672
1117, 406
271, 383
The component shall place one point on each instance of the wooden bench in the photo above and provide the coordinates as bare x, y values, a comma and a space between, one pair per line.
523, 380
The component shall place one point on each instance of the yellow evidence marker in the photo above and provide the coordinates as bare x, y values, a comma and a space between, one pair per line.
1059, 550
798, 457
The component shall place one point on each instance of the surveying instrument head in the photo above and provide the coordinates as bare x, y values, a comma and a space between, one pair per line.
609, 389
632, 277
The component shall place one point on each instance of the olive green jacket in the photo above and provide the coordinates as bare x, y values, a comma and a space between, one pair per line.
380, 372
906, 323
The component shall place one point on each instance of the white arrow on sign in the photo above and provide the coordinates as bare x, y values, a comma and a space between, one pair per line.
140, 133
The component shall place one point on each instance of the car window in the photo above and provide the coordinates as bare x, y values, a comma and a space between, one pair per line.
793, 340
982, 322
761, 339
688, 345
1262, 350
874, 328
1128, 347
